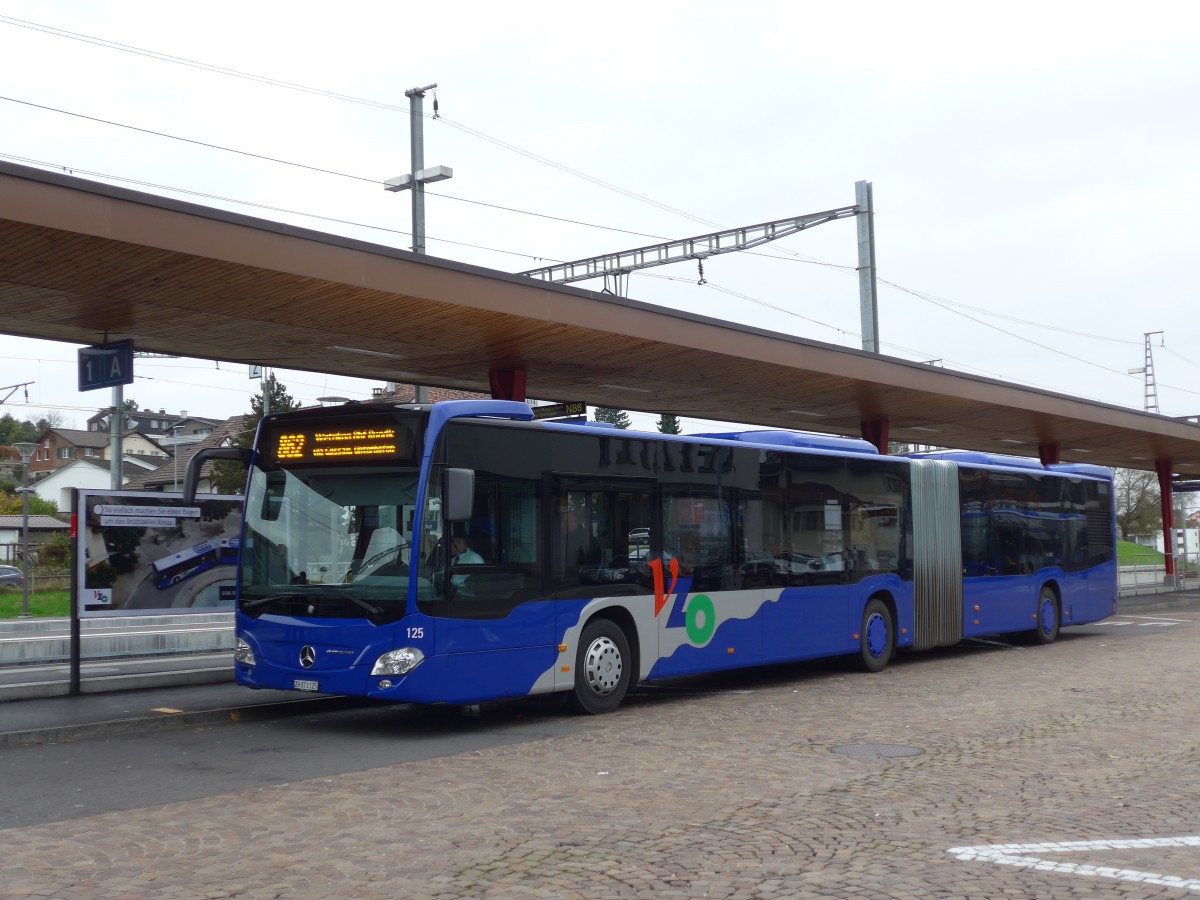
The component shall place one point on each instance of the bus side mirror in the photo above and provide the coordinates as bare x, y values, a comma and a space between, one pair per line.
191, 476
458, 494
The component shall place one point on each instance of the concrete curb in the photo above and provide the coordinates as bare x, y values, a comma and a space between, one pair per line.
106, 684
1169, 602
60, 734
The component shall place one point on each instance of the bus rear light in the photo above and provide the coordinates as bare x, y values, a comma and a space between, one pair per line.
243, 654
398, 662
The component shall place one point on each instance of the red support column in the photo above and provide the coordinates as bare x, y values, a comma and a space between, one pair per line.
507, 383
1050, 454
876, 432
1164, 468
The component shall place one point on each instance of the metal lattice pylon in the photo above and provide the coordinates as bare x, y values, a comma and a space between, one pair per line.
1151, 395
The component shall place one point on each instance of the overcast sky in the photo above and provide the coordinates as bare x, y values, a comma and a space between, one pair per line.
1035, 165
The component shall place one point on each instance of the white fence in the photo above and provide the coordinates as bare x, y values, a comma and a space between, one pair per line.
1149, 576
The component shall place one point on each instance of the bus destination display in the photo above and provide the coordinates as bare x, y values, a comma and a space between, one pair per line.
351, 441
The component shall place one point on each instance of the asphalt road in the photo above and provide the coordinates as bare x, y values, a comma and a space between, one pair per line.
50, 782
992, 768
334, 736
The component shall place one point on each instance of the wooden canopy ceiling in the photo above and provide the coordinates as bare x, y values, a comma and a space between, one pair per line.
82, 261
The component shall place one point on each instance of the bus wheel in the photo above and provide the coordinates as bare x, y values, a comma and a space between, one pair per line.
877, 638
1047, 616
601, 668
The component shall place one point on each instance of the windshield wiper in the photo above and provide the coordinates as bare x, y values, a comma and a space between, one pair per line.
363, 604
371, 608
263, 601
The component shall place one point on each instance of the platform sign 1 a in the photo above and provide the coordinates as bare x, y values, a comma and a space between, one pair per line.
105, 365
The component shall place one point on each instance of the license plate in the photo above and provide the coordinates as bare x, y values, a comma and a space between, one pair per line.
300, 685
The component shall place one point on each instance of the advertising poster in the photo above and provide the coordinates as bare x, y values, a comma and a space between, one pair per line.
148, 553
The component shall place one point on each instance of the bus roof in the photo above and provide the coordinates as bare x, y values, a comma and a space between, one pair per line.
979, 458
807, 439
1003, 461
519, 411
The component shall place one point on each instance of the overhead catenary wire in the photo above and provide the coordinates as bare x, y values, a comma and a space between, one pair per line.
310, 168
291, 85
774, 252
281, 83
295, 212
921, 295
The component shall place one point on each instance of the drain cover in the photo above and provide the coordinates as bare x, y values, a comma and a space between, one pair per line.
875, 751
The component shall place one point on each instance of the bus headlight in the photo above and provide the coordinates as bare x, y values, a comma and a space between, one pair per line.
243, 654
398, 662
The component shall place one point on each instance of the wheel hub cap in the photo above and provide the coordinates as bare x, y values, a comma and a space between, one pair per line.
602, 666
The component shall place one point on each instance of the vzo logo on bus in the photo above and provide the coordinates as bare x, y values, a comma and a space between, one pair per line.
698, 615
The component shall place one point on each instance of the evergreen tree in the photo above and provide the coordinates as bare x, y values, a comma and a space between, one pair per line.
278, 400
617, 417
230, 477
12, 430
669, 424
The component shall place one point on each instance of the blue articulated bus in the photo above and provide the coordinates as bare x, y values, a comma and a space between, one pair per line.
461, 552
172, 569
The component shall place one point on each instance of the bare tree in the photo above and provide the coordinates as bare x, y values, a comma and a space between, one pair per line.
53, 418
1139, 503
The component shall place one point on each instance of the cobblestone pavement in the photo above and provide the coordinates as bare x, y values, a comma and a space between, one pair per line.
772, 788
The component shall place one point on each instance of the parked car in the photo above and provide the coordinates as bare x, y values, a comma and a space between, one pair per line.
758, 568
617, 569
792, 568
11, 576
790, 564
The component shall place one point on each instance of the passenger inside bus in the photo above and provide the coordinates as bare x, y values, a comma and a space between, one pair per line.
461, 554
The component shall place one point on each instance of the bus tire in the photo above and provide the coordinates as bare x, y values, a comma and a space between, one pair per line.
877, 637
1047, 616
602, 668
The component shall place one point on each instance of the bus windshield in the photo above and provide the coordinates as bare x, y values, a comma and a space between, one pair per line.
328, 542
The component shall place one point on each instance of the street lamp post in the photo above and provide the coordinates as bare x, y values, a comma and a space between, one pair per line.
26, 450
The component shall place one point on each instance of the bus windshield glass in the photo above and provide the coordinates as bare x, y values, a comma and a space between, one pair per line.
332, 542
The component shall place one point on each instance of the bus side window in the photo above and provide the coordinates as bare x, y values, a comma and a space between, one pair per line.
573, 538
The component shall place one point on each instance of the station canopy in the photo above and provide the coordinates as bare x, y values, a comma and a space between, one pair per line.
86, 262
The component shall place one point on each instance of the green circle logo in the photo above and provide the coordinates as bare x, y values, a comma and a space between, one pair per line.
701, 619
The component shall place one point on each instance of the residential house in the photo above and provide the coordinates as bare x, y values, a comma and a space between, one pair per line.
407, 393
152, 424
168, 476
59, 446
41, 529
86, 474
